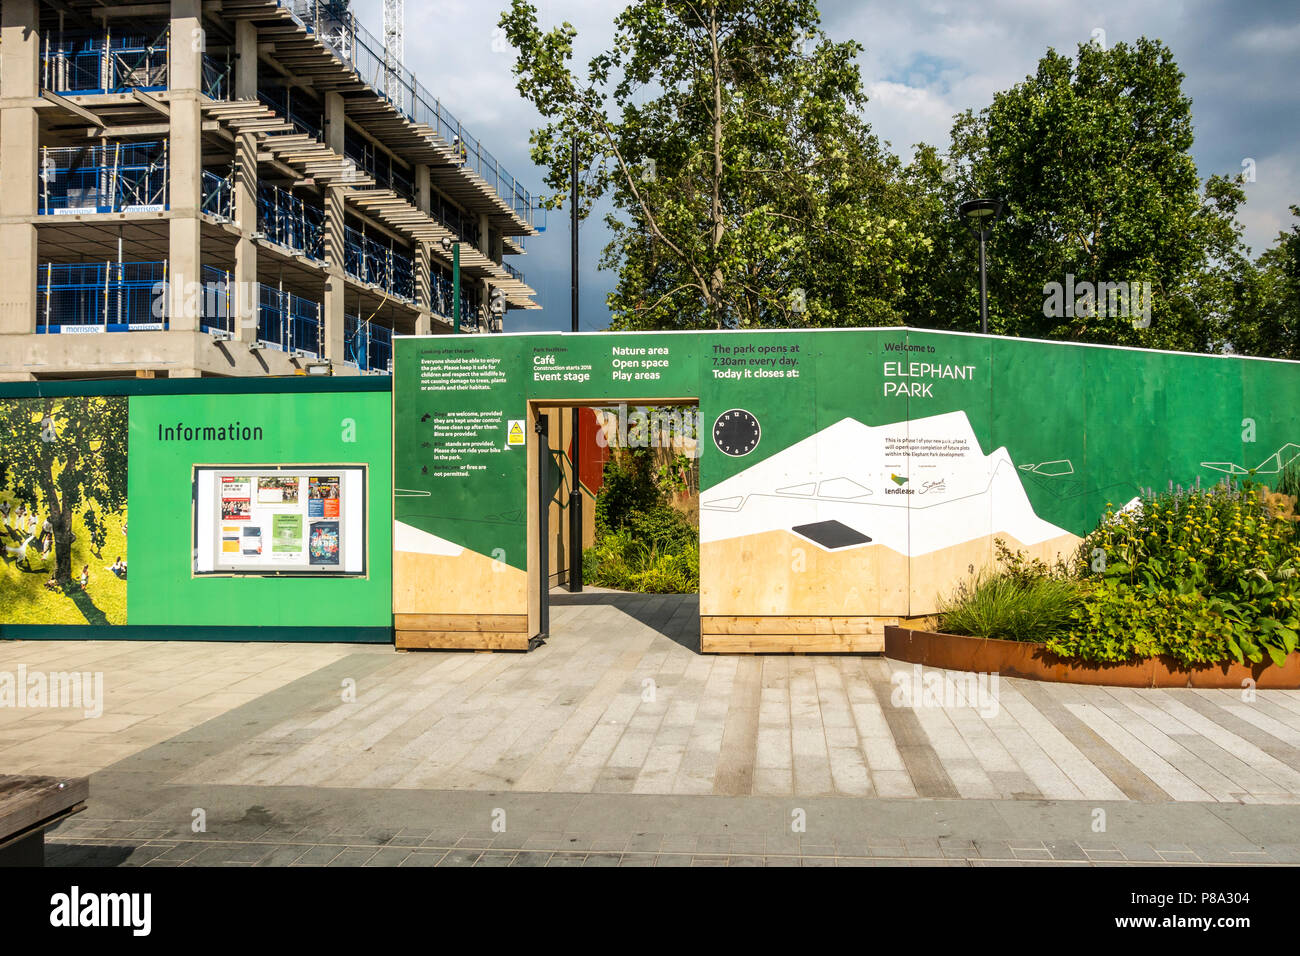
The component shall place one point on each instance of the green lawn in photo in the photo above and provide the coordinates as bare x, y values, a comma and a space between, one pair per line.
24, 599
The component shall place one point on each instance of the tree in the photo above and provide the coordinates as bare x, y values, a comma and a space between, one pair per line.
1269, 321
63, 453
727, 135
1092, 157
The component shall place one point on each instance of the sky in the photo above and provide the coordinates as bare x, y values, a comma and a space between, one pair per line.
924, 61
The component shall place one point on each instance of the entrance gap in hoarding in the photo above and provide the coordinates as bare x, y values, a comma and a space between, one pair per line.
560, 462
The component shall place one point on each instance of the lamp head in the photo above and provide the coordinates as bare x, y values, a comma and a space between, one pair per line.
981, 212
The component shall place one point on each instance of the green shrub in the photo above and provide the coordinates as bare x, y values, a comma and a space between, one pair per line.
610, 563
1015, 603
628, 486
642, 544
667, 573
1118, 622
619, 560
1288, 482
662, 527
1204, 576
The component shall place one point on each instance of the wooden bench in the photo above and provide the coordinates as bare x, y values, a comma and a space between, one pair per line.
31, 805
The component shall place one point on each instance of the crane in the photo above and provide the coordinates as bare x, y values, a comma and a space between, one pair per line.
394, 48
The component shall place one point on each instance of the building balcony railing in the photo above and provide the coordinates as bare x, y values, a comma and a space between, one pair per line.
217, 196
370, 261
110, 177
100, 63
465, 227
289, 322
290, 222
378, 164
441, 289
217, 301
101, 297
285, 321
306, 116
218, 78
339, 29
514, 273
368, 346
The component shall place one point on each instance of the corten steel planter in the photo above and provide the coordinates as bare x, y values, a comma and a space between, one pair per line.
1033, 661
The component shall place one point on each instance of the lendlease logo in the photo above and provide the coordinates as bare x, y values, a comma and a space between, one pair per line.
76, 909
900, 481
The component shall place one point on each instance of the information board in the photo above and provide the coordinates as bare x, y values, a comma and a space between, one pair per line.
279, 519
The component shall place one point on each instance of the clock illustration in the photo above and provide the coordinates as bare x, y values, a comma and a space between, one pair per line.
736, 432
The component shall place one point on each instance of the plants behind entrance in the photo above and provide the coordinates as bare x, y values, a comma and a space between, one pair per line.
1203, 576
642, 543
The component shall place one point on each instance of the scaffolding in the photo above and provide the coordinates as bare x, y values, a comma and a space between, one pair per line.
109, 177
370, 159
368, 346
440, 287
370, 261
101, 297
288, 322
217, 301
305, 115
217, 196
217, 77
78, 61
290, 222
465, 227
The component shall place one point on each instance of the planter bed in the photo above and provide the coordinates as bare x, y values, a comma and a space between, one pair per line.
1033, 661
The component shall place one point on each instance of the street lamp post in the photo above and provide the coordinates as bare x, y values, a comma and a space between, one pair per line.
982, 213
575, 428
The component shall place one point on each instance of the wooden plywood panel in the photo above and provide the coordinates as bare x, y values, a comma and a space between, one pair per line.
792, 643
778, 624
467, 583
461, 622
779, 573
462, 640
776, 573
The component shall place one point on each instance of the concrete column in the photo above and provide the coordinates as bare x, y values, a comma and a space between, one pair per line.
185, 156
484, 236
246, 300
19, 132
424, 254
245, 60
423, 188
424, 287
333, 311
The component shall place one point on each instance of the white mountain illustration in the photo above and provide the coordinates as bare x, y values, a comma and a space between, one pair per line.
914, 486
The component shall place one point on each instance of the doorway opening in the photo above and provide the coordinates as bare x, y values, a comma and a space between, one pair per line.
637, 484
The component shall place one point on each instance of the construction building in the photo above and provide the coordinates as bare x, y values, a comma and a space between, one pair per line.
239, 187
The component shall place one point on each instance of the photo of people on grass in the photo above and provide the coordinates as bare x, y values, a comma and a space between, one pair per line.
63, 536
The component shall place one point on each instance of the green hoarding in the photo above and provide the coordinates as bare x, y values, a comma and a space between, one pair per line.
165, 435
918, 446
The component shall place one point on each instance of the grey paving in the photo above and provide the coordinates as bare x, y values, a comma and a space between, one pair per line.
618, 744
620, 701
357, 827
